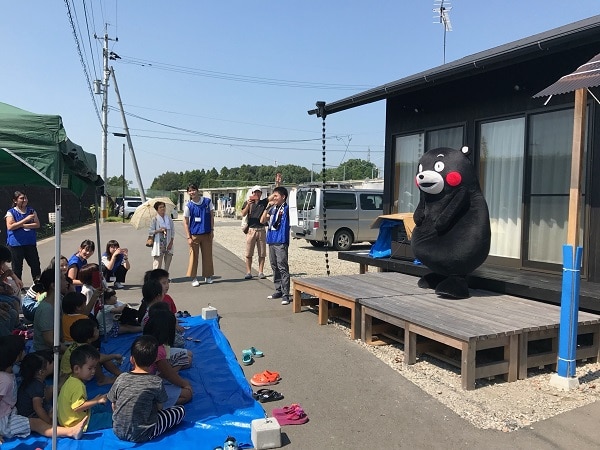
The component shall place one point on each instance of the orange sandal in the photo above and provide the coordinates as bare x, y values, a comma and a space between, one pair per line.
265, 378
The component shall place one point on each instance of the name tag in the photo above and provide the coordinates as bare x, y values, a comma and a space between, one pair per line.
197, 219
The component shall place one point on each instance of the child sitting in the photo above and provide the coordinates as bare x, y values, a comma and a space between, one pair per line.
137, 398
163, 277
11, 423
170, 360
85, 331
92, 285
108, 321
73, 404
152, 292
74, 308
34, 397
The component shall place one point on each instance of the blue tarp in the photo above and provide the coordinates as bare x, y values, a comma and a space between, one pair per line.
222, 405
382, 248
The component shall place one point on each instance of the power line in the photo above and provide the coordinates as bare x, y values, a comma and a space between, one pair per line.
81, 59
218, 136
239, 78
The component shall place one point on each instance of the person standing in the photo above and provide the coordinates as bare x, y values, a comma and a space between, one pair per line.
21, 223
256, 236
199, 225
277, 216
162, 229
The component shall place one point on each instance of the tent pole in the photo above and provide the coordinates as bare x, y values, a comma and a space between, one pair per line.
101, 298
57, 310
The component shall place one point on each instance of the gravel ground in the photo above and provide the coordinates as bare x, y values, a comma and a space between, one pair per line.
495, 404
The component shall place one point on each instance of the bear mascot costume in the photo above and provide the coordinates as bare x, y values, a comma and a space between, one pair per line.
452, 224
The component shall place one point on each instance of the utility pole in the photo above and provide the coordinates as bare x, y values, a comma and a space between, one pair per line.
129, 143
104, 92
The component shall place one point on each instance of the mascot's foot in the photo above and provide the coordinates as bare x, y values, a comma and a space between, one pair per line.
453, 287
430, 281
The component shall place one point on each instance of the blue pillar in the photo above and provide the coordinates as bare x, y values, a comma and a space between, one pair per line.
569, 307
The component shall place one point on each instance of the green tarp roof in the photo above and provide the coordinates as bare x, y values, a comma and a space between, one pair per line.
41, 141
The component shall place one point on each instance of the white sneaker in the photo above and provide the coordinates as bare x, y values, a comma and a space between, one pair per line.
285, 301
118, 285
209, 280
195, 283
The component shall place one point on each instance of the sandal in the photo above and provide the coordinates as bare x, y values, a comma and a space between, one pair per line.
256, 352
265, 378
297, 417
267, 395
186, 314
247, 357
291, 409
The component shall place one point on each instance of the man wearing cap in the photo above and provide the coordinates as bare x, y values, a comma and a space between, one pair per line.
256, 236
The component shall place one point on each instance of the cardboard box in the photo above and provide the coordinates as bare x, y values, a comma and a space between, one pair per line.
406, 218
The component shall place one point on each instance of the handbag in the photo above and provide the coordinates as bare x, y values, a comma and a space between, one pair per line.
245, 225
150, 241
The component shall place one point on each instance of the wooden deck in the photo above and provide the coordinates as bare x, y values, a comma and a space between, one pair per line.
539, 286
487, 320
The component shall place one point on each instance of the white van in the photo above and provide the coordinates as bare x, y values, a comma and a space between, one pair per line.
350, 214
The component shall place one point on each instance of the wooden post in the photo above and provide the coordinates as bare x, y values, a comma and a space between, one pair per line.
579, 122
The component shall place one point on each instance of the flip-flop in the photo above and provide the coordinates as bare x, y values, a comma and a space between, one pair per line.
247, 357
265, 378
267, 395
186, 315
256, 352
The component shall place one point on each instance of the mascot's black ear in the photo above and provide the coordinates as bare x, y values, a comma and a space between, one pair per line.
465, 150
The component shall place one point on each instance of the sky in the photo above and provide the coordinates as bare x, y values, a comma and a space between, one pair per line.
223, 83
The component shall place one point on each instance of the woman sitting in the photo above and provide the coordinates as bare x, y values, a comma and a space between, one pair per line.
115, 264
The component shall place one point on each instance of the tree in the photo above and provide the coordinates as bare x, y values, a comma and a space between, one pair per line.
168, 181
353, 169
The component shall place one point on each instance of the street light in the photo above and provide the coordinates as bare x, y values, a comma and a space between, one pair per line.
123, 198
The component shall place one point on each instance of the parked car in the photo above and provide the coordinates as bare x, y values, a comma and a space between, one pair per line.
131, 204
350, 214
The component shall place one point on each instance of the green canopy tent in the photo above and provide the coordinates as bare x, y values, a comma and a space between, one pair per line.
35, 150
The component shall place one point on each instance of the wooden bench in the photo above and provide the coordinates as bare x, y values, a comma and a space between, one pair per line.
346, 291
484, 321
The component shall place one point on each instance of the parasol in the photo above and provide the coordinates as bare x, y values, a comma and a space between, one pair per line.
144, 213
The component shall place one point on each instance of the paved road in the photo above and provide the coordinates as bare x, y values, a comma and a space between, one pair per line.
353, 400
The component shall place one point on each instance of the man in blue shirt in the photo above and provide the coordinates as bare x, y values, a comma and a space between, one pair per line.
199, 225
278, 238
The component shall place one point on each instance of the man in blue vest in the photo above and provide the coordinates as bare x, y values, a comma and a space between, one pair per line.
199, 225
277, 216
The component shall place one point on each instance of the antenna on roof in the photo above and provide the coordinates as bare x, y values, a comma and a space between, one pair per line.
442, 9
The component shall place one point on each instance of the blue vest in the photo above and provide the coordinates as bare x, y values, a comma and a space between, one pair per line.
200, 217
21, 236
278, 231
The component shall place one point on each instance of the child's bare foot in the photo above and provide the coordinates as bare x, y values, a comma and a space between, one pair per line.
78, 429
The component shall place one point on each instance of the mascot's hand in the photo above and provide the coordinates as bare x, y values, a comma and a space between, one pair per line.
459, 203
419, 214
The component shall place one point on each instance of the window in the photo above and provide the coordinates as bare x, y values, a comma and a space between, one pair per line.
371, 202
549, 145
340, 200
501, 153
409, 150
305, 199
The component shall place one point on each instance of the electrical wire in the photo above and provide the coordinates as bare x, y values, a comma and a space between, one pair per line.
81, 59
236, 77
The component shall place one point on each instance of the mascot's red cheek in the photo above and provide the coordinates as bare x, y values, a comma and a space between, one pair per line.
453, 178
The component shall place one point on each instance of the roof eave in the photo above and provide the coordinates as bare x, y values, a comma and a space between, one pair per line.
464, 66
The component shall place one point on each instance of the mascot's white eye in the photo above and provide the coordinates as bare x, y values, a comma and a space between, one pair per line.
439, 166
420, 167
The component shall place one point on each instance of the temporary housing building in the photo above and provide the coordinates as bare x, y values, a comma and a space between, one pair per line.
521, 145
